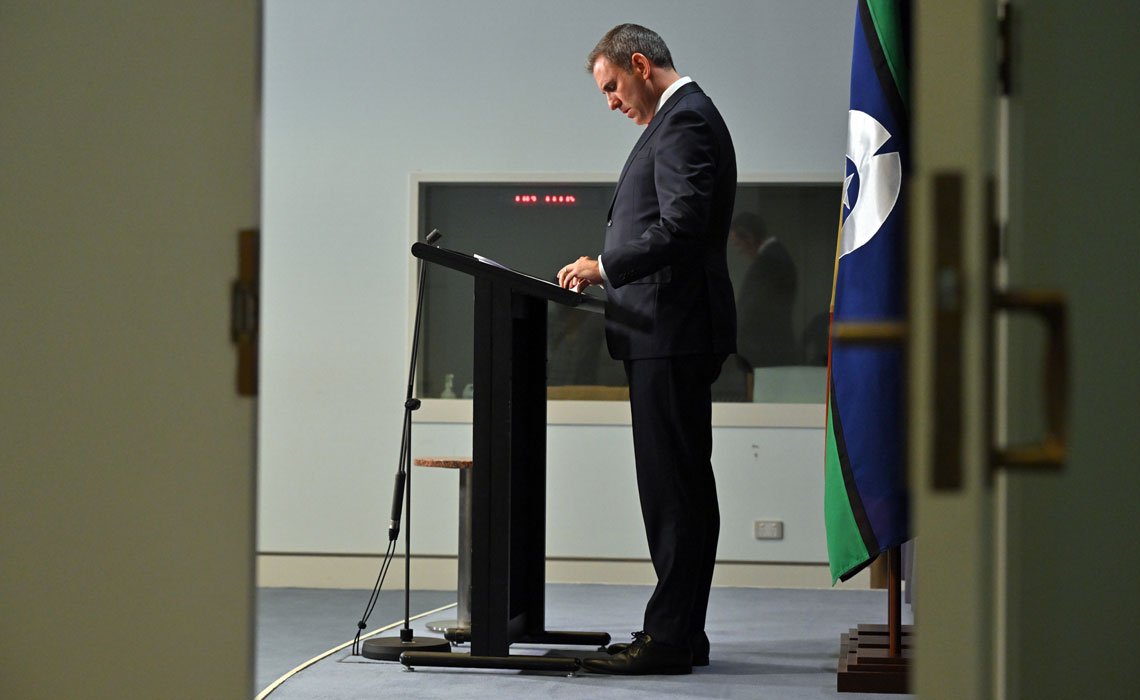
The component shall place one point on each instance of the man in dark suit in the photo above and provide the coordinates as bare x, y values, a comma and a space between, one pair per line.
671, 318
767, 293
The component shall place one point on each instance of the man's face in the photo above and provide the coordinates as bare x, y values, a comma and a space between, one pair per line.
744, 242
628, 91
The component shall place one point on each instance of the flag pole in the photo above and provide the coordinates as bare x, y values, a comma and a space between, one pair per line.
873, 659
894, 602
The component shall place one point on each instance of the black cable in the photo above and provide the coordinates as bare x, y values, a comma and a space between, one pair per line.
374, 597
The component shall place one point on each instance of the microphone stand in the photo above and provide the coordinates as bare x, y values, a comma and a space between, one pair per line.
390, 648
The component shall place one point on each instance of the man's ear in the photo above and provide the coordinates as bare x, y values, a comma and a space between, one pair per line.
641, 65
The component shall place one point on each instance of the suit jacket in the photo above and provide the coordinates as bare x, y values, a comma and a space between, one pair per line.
668, 290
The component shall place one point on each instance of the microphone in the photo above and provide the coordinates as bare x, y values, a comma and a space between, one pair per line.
434, 236
397, 507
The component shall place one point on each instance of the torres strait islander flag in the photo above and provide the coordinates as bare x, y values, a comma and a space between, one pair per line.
865, 496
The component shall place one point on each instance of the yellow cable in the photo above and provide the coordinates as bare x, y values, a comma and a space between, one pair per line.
275, 684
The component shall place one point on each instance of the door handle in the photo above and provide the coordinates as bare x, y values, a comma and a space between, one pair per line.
1049, 453
244, 311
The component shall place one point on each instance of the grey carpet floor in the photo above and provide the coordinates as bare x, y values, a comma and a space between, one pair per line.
297, 624
766, 643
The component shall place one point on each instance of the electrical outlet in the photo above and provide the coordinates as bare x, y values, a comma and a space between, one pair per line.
768, 529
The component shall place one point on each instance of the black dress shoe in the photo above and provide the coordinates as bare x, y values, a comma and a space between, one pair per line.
644, 657
699, 647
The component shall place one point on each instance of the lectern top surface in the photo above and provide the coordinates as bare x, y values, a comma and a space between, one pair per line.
480, 267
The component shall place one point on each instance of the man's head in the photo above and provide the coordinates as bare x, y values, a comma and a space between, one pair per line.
620, 43
632, 67
747, 233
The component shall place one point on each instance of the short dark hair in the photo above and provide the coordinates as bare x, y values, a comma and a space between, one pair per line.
620, 43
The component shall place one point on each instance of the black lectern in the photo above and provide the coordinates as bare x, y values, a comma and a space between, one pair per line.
508, 527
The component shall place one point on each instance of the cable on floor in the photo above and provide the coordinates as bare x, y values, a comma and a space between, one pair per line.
275, 684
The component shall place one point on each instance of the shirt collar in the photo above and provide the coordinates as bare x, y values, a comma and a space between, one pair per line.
670, 90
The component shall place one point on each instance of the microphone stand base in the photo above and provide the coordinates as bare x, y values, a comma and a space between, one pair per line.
390, 648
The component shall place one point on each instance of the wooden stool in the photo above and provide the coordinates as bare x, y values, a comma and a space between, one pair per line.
459, 629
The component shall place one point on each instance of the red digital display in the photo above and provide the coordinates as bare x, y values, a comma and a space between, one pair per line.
546, 199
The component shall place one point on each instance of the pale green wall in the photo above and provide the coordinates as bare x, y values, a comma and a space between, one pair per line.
361, 97
1075, 556
128, 150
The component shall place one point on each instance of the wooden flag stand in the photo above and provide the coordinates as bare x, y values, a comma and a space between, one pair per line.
876, 658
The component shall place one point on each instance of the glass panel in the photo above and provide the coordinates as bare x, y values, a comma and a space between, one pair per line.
783, 285
781, 259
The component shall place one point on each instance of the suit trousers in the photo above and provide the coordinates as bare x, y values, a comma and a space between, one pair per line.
671, 405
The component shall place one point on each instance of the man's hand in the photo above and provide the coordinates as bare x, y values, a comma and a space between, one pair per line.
580, 274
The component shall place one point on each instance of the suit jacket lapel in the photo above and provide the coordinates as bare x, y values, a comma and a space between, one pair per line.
647, 133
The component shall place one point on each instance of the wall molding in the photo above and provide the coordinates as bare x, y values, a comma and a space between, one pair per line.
568, 412
433, 572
